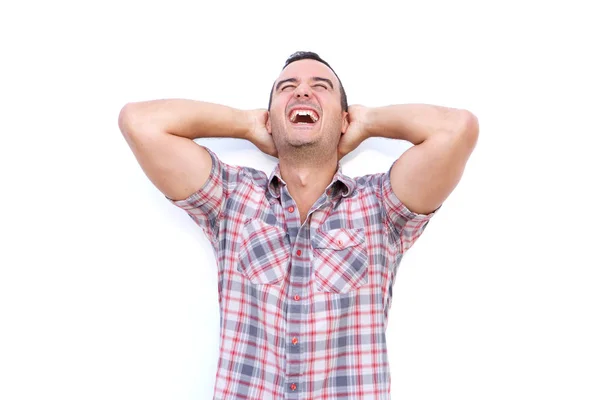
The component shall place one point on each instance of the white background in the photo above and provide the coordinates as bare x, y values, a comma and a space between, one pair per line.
107, 291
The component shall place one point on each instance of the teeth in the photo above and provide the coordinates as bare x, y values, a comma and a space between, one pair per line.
311, 114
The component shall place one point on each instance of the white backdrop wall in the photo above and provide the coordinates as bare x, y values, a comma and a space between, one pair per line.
107, 291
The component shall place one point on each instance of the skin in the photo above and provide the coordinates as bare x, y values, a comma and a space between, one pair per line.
308, 154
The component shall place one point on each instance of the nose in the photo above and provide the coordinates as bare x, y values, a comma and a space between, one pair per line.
303, 90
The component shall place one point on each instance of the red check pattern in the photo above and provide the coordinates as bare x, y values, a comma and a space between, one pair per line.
303, 307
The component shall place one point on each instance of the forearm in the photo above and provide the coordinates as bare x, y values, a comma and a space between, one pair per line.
187, 118
414, 122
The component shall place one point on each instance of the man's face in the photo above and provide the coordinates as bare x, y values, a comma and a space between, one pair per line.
306, 110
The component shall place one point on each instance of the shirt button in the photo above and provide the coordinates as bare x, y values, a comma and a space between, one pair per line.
298, 253
295, 340
291, 209
340, 242
296, 297
293, 386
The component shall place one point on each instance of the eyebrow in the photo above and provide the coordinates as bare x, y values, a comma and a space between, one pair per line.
295, 80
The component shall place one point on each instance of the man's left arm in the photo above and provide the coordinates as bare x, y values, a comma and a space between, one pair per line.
444, 138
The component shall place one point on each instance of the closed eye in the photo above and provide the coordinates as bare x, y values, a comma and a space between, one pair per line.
292, 86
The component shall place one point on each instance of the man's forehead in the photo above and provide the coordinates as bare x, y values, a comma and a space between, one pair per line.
307, 69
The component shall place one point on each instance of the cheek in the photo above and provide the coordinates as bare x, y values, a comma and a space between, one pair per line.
330, 104
280, 100
278, 109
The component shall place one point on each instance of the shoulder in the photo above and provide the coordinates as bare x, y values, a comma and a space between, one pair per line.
370, 183
233, 174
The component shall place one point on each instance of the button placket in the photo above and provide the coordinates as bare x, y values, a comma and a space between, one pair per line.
295, 314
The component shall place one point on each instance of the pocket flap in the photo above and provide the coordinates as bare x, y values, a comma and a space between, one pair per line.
338, 239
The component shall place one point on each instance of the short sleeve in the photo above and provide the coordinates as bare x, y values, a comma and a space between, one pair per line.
407, 226
205, 206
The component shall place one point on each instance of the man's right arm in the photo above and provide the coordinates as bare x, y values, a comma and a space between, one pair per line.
160, 133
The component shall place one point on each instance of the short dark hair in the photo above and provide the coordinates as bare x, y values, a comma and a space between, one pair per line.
309, 55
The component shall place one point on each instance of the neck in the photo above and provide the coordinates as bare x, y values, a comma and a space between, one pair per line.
306, 180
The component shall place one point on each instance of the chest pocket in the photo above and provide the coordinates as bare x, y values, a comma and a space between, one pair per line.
264, 252
340, 260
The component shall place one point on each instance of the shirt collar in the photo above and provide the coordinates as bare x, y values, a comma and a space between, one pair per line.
339, 182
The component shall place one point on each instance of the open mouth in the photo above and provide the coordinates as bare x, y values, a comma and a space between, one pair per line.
303, 117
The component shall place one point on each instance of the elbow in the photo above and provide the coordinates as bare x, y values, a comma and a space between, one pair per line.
124, 120
469, 127
128, 117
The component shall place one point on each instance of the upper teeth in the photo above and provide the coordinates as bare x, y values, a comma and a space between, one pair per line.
310, 113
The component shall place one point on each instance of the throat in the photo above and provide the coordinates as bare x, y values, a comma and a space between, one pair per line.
303, 119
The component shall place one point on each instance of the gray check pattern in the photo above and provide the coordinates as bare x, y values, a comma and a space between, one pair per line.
303, 307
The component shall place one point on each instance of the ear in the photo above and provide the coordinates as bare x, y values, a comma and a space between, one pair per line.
345, 122
268, 122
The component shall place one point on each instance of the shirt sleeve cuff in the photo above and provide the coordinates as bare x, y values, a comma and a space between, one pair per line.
208, 191
396, 208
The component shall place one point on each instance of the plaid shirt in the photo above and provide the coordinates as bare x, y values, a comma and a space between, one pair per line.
303, 307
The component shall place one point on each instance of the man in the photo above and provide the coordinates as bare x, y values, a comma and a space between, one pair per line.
307, 257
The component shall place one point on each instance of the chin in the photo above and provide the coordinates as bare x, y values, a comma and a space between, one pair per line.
299, 144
